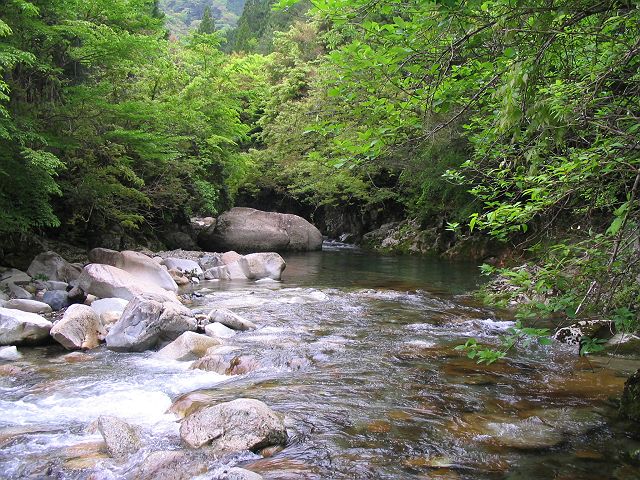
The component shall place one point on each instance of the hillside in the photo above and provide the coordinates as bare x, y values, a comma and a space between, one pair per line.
184, 15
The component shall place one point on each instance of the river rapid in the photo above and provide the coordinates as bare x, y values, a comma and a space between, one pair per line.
357, 351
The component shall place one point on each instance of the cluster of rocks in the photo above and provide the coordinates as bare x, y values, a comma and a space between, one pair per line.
131, 302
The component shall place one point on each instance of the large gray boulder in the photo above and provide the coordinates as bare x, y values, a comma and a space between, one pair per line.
257, 266
14, 276
137, 264
149, 322
242, 424
52, 266
79, 329
247, 229
22, 328
105, 281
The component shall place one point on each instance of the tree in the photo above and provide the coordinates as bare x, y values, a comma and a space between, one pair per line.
207, 24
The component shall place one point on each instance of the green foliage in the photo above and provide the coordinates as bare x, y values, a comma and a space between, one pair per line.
207, 24
185, 16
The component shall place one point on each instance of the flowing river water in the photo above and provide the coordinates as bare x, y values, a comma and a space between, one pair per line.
358, 352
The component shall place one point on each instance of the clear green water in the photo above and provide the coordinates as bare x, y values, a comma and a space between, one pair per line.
357, 351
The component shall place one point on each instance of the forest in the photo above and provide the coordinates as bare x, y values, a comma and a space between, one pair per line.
476, 119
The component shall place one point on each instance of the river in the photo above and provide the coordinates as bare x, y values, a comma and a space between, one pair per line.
357, 351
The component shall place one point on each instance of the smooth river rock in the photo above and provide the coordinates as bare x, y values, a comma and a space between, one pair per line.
79, 329
188, 346
247, 229
229, 319
147, 323
257, 266
137, 264
189, 267
242, 424
56, 299
218, 330
31, 306
106, 281
22, 328
236, 473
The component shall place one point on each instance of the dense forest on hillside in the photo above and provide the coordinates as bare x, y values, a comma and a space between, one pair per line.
183, 16
518, 121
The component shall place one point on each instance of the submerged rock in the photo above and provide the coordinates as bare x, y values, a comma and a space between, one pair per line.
242, 424
188, 346
170, 465
79, 329
22, 328
236, 473
121, 438
147, 323
630, 401
247, 229
227, 363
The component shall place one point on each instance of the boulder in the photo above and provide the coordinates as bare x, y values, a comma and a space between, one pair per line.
51, 266
121, 438
14, 276
188, 346
22, 328
219, 330
57, 285
233, 271
17, 291
630, 401
257, 266
148, 322
105, 281
31, 306
227, 363
77, 295
230, 319
105, 305
56, 299
210, 260
230, 257
247, 229
242, 424
9, 354
573, 334
79, 329
178, 277
188, 267
137, 264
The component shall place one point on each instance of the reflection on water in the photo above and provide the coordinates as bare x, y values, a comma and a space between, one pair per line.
358, 351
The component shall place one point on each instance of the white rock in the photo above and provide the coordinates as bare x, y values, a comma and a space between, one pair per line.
188, 267
137, 264
188, 346
106, 281
230, 319
10, 353
31, 306
219, 330
105, 305
262, 265
80, 328
22, 328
